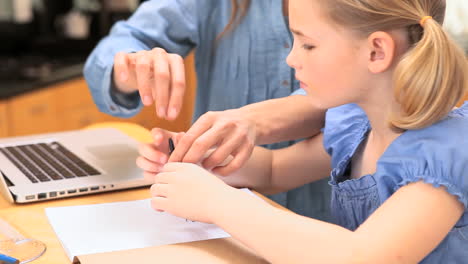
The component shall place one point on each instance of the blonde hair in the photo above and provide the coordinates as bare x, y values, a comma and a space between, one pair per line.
238, 12
433, 74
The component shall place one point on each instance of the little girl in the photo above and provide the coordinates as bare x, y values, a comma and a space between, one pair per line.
397, 153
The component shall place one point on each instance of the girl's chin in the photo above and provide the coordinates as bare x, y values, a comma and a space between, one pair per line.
324, 103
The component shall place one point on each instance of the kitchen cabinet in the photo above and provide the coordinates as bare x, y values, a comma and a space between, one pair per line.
3, 120
68, 105
33, 112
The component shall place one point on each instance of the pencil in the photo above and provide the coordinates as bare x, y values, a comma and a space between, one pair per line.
171, 146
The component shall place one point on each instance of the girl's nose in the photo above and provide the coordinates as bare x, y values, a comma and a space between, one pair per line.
291, 61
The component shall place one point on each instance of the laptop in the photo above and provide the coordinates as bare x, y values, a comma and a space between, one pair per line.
65, 164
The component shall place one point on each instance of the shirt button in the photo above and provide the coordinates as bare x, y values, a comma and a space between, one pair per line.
113, 108
286, 46
285, 83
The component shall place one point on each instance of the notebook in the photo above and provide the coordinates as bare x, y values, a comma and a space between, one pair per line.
64, 164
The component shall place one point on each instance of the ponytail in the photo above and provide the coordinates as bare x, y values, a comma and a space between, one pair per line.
430, 79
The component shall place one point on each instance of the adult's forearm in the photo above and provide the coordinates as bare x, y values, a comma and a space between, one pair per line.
288, 118
256, 172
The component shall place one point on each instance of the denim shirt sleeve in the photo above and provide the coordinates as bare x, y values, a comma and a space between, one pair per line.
169, 24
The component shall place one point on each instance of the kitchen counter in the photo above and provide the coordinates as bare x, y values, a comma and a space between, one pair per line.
12, 88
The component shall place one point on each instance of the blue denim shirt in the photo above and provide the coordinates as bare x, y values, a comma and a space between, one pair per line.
246, 66
437, 155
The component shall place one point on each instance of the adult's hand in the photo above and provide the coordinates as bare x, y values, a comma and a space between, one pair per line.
228, 132
236, 132
157, 75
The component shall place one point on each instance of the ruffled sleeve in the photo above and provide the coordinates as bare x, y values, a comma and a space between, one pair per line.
437, 155
345, 127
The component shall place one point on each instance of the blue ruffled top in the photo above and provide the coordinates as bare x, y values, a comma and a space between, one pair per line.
437, 155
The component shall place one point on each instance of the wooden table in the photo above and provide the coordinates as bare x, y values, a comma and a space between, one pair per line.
32, 222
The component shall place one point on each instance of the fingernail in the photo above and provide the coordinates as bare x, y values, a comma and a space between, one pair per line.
161, 111
172, 113
147, 100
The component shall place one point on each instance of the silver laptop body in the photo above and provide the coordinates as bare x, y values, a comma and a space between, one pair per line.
64, 164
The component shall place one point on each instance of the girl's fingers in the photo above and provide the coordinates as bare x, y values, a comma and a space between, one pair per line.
159, 203
151, 176
148, 166
161, 190
152, 153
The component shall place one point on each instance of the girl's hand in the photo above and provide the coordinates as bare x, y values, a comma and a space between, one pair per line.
186, 190
153, 156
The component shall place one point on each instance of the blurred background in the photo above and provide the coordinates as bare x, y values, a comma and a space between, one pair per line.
456, 21
43, 47
41, 39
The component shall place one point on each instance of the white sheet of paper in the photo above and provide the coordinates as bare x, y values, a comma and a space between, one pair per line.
89, 229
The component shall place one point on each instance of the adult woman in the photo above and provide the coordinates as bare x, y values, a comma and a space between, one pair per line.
240, 48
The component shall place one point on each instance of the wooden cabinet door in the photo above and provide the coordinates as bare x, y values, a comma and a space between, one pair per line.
184, 120
3, 119
76, 108
33, 113
72, 95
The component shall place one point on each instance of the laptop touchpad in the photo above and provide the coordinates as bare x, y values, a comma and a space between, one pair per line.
115, 151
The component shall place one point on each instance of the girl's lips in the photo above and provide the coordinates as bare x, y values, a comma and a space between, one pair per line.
302, 85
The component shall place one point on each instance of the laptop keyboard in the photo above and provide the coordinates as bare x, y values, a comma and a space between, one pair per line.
47, 162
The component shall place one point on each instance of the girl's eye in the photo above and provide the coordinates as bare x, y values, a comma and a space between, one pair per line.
307, 47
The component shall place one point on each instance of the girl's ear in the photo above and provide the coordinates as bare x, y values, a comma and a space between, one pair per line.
381, 51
